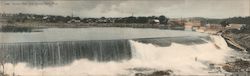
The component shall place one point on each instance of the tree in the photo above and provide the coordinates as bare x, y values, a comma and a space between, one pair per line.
163, 19
77, 18
67, 19
224, 23
131, 19
102, 18
142, 20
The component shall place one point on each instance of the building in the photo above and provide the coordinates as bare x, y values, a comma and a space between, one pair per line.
235, 26
74, 21
192, 24
4, 18
154, 21
213, 26
102, 20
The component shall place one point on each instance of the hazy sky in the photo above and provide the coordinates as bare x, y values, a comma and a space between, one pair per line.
121, 8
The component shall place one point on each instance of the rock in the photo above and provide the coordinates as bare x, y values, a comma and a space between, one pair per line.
157, 73
238, 37
236, 65
161, 73
2, 74
140, 74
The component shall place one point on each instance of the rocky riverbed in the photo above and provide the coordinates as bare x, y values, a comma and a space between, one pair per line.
238, 39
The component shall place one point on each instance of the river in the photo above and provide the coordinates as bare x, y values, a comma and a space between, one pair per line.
112, 52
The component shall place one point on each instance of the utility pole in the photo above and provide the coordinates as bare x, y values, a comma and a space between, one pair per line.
72, 13
132, 13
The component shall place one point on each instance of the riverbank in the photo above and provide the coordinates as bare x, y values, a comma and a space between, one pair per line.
84, 25
237, 39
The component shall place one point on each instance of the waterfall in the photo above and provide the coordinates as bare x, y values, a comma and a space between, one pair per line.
219, 41
112, 57
42, 54
182, 58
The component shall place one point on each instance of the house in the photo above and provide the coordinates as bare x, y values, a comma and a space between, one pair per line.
192, 24
102, 20
45, 17
213, 26
154, 21
235, 26
111, 20
74, 21
4, 19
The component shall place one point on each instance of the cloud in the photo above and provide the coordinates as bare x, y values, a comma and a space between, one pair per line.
121, 8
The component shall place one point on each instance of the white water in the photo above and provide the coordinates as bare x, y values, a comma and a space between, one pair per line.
182, 59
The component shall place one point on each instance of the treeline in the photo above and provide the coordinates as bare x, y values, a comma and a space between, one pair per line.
37, 18
208, 20
21, 17
239, 20
142, 19
232, 20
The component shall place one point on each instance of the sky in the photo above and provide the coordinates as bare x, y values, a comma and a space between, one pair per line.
124, 8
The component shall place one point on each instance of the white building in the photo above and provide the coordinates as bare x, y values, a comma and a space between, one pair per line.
74, 21
235, 26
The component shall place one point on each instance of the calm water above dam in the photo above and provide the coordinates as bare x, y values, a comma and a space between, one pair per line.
76, 34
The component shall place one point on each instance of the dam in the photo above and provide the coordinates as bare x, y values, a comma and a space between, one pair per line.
110, 52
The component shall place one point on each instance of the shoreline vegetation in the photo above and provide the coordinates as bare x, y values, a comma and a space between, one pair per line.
82, 25
31, 27
160, 22
15, 29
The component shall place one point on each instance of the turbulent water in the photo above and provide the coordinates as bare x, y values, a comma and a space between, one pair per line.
186, 53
